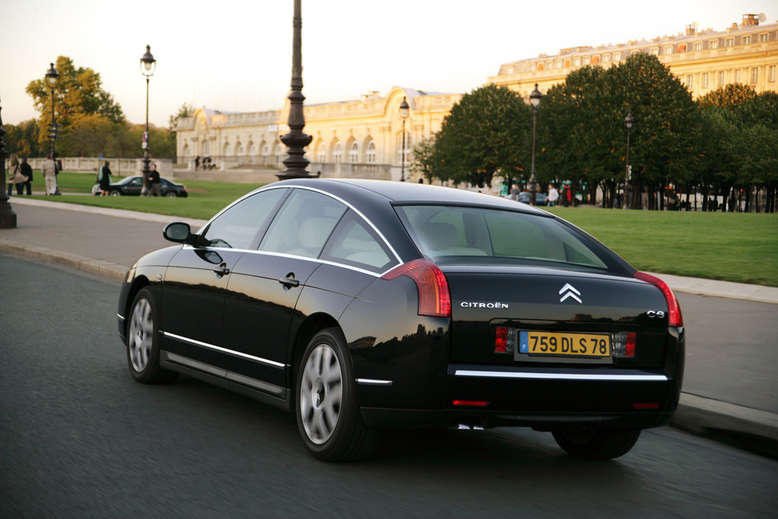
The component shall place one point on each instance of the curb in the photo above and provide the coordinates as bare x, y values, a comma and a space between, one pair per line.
106, 269
750, 429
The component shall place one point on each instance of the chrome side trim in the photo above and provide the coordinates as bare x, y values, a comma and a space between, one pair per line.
558, 376
120, 316
374, 382
224, 350
229, 375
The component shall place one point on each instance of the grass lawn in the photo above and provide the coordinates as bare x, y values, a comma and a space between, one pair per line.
729, 246
205, 198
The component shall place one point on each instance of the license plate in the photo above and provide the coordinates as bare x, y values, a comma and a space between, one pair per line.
593, 345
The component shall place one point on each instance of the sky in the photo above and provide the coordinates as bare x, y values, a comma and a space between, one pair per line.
235, 56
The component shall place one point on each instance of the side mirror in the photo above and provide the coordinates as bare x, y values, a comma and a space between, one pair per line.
178, 232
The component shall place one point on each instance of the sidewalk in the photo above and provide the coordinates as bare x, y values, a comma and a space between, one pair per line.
107, 241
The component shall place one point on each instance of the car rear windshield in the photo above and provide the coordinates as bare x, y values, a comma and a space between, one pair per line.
450, 234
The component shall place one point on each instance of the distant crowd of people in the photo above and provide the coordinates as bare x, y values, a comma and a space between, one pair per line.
204, 163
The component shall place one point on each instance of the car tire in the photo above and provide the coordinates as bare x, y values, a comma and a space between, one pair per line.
143, 341
115, 193
328, 416
596, 444
171, 194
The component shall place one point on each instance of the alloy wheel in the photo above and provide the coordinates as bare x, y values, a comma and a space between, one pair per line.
321, 393
141, 334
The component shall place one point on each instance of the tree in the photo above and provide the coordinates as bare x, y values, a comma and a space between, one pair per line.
78, 92
486, 132
727, 96
423, 161
22, 139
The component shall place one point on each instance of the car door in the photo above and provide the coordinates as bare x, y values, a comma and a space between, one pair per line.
134, 186
266, 285
196, 279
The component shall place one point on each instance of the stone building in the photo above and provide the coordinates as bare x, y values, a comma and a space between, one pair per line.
704, 60
363, 137
358, 138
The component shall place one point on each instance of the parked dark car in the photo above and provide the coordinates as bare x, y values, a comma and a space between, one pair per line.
540, 198
131, 186
360, 305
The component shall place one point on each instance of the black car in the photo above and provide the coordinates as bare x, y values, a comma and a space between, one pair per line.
540, 198
131, 186
361, 305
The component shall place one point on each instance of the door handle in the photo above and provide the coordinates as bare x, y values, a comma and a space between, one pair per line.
222, 270
289, 281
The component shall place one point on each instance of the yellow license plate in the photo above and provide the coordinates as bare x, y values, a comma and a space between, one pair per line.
565, 344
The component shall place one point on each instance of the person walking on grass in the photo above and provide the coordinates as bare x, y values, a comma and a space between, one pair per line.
49, 170
154, 181
16, 177
26, 170
104, 177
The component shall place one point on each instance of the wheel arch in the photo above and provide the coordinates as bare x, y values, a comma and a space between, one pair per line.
312, 324
138, 283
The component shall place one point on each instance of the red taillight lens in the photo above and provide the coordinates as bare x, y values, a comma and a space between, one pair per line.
434, 299
675, 318
470, 403
501, 340
629, 350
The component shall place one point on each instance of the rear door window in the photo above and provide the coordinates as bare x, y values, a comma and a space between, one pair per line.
354, 243
303, 224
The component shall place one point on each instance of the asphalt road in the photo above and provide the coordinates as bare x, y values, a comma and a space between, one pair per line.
731, 350
79, 438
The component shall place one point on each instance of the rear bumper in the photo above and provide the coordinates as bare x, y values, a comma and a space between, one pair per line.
543, 398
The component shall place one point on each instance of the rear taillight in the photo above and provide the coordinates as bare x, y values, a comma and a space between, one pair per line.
504, 339
434, 298
624, 344
674, 317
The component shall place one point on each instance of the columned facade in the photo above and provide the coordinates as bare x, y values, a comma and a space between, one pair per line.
360, 138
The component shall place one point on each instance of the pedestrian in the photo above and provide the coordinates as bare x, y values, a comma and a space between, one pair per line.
15, 177
104, 177
57, 169
515, 192
154, 181
197, 162
49, 170
568, 196
553, 195
27, 172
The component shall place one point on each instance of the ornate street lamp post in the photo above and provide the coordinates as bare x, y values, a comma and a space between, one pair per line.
147, 67
296, 140
404, 110
51, 80
628, 122
7, 215
534, 99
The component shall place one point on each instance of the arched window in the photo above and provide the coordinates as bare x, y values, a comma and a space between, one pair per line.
353, 154
322, 156
371, 152
205, 147
408, 146
337, 153
238, 149
226, 149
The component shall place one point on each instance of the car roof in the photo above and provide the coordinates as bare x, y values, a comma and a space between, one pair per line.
413, 193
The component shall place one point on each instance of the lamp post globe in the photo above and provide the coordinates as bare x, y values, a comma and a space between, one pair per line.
147, 67
51, 80
629, 121
534, 99
404, 112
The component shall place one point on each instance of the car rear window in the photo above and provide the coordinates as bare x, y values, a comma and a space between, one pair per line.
446, 233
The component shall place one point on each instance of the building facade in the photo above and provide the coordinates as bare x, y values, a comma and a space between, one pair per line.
704, 60
363, 138
359, 138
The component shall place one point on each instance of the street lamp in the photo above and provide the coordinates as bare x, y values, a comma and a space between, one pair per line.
147, 67
629, 120
296, 140
51, 80
534, 99
7, 215
404, 111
